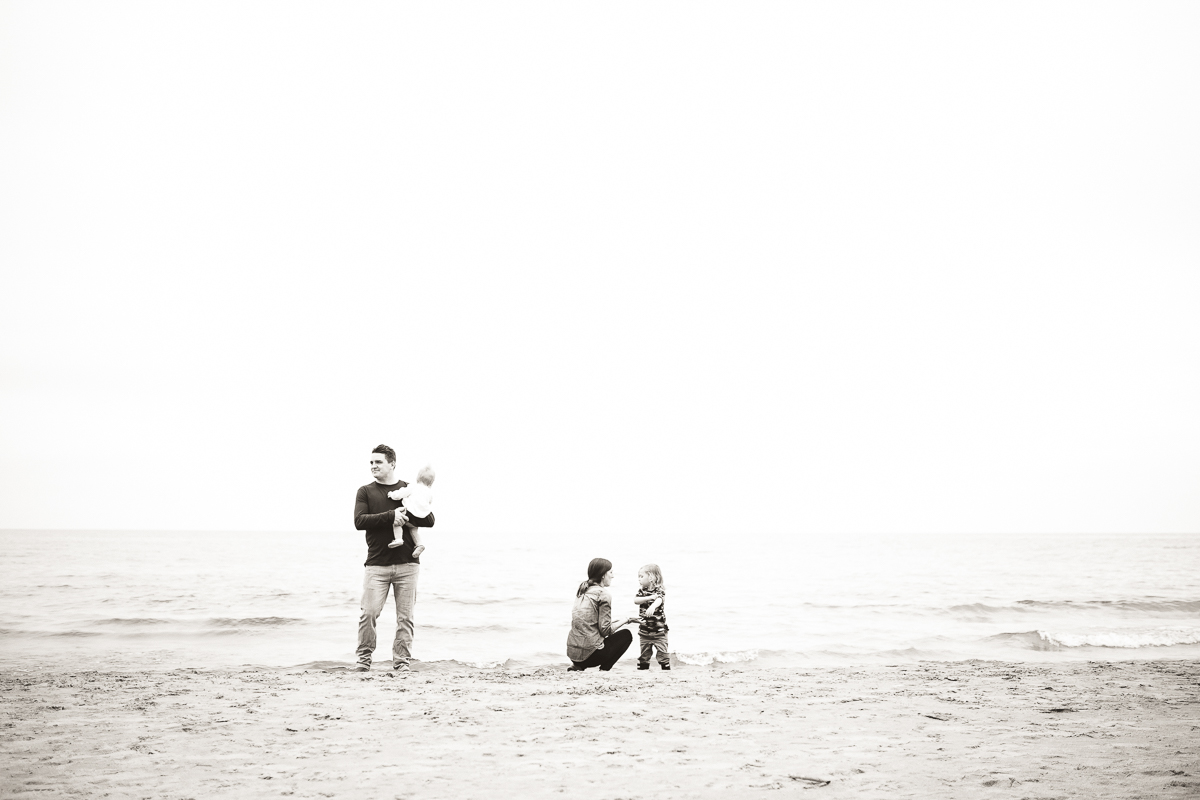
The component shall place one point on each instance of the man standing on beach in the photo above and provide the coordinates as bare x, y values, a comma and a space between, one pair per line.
386, 567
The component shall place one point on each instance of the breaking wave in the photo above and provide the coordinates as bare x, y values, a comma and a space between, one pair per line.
1126, 639
253, 622
1144, 606
707, 659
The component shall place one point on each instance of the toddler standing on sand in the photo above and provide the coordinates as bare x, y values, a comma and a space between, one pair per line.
417, 499
652, 617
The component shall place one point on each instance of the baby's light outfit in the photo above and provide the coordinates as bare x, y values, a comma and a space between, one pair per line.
419, 501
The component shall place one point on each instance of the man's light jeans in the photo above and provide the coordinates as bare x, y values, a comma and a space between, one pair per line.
402, 579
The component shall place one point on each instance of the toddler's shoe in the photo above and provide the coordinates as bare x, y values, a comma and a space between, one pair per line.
664, 666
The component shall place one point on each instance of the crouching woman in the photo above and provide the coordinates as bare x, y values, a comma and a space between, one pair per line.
593, 640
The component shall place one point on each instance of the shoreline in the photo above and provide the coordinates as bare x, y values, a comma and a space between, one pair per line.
27, 658
966, 729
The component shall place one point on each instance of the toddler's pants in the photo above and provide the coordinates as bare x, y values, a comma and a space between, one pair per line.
652, 643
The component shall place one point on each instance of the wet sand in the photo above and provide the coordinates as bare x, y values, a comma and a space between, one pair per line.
930, 730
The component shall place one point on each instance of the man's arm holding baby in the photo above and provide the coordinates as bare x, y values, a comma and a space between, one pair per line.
402, 519
363, 518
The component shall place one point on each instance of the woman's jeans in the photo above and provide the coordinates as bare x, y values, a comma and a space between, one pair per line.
614, 647
402, 580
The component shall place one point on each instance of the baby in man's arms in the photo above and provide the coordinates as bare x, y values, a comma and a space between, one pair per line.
416, 499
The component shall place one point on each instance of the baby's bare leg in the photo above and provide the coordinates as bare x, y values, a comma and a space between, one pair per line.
398, 532
418, 548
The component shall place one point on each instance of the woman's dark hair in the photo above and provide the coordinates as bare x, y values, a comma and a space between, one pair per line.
597, 569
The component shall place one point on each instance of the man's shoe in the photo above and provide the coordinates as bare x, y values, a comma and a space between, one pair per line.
643, 666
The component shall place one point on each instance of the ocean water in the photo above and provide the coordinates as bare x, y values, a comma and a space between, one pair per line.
94, 600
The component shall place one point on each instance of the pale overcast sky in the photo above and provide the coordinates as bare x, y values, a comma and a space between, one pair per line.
696, 269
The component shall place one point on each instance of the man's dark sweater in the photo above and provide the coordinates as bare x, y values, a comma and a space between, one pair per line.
375, 512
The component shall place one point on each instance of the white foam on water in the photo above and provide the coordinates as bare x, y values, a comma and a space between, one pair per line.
705, 659
1156, 637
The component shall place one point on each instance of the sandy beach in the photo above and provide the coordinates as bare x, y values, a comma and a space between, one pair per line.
955, 730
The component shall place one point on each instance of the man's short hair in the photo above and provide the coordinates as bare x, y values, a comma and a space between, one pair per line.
386, 452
